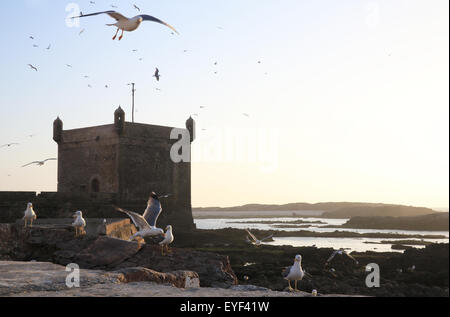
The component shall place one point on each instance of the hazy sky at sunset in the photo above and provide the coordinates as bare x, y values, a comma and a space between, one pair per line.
349, 103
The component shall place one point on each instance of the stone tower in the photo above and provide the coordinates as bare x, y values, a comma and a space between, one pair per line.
127, 159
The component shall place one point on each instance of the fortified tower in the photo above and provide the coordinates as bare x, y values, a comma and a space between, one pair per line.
127, 159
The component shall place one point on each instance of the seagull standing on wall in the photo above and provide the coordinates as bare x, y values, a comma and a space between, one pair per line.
168, 239
29, 215
126, 24
294, 273
79, 223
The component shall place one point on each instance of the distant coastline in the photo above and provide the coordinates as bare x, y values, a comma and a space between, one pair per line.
326, 210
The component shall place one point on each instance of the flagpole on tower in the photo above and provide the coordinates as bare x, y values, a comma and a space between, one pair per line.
133, 91
132, 100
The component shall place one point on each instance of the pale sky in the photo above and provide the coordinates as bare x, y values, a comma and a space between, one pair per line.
349, 103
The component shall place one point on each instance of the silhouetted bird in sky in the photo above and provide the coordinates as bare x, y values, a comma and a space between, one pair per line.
157, 75
32, 67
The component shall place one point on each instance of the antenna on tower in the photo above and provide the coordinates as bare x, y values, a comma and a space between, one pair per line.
132, 101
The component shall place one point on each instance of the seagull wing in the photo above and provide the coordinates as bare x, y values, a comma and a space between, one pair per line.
267, 238
286, 271
113, 14
332, 256
35, 162
251, 235
137, 219
51, 159
351, 257
146, 17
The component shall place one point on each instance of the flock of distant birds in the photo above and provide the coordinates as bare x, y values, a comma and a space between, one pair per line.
125, 24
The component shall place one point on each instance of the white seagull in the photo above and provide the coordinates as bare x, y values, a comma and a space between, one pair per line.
29, 215
341, 252
294, 273
145, 230
9, 145
127, 24
79, 223
168, 239
40, 163
256, 241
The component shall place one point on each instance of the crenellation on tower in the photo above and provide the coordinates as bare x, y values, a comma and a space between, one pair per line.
57, 130
119, 120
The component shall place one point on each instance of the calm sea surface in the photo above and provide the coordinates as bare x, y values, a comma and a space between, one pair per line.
353, 244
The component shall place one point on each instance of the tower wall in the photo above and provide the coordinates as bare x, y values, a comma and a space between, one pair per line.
86, 156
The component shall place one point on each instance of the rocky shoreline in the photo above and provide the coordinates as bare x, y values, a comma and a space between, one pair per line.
220, 260
262, 266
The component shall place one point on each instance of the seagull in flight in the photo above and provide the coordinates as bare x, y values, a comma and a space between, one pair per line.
157, 75
136, 7
341, 252
255, 241
145, 230
32, 67
40, 163
126, 24
9, 145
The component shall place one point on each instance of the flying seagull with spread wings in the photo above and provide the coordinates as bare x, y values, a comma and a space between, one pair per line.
341, 252
126, 24
256, 241
145, 230
40, 163
9, 145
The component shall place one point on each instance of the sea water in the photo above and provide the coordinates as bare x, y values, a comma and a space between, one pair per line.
351, 244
